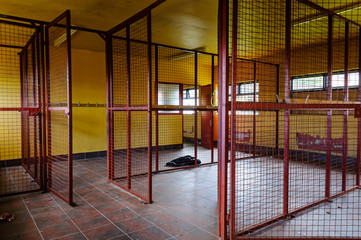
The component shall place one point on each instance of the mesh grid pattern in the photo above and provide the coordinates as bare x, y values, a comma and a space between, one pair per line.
129, 89
59, 113
302, 148
20, 145
180, 133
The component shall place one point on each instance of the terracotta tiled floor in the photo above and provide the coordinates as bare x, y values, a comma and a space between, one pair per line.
185, 207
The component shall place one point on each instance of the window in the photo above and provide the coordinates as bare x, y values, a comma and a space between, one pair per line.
245, 93
307, 83
189, 99
168, 94
319, 82
338, 80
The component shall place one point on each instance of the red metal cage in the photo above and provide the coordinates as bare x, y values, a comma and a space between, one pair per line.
301, 179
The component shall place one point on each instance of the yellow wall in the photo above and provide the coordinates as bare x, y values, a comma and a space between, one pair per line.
10, 122
89, 85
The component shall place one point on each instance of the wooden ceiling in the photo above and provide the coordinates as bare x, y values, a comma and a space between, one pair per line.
183, 23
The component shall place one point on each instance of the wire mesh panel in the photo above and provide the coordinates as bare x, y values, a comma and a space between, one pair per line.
59, 114
298, 129
184, 82
31, 97
128, 104
20, 147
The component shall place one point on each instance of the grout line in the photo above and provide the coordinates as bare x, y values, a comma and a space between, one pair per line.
68, 236
67, 217
41, 235
159, 205
111, 222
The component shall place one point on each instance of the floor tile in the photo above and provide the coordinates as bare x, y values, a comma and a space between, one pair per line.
151, 233
74, 236
176, 227
50, 218
133, 224
197, 234
103, 232
16, 228
59, 230
33, 235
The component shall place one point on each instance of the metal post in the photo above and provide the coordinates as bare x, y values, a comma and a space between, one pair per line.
254, 111
156, 112
48, 112
233, 122
35, 130
27, 116
109, 85
223, 116
70, 111
329, 112
129, 166
181, 104
195, 104
212, 113
22, 105
43, 79
150, 99
277, 111
358, 164
38, 105
345, 113
287, 117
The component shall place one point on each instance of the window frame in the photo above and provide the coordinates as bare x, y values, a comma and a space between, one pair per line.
164, 112
324, 79
253, 95
182, 103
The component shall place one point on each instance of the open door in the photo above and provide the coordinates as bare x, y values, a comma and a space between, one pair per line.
31, 119
206, 118
59, 111
129, 104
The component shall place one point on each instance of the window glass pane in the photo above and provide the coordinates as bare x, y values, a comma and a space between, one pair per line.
338, 80
248, 88
189, 102
185, 93
353, 79
191, 93
168, 94
245, 112
307, 83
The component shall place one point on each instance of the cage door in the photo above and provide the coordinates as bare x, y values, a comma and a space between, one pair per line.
59, 111
31, 120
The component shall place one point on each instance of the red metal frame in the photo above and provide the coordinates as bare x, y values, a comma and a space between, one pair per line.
232, 230
228, 207
111, 109
358, 164
52, 184
28, 102
223, 108
329, 113
287, 113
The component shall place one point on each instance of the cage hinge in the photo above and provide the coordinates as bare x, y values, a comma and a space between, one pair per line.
228, 218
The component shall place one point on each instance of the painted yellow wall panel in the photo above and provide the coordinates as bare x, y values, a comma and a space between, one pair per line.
89, 85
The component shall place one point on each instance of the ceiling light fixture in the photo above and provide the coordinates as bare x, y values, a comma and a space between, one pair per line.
317, 17
180, 56
60, 40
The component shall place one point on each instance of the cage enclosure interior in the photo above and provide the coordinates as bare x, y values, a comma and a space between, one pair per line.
305, 130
